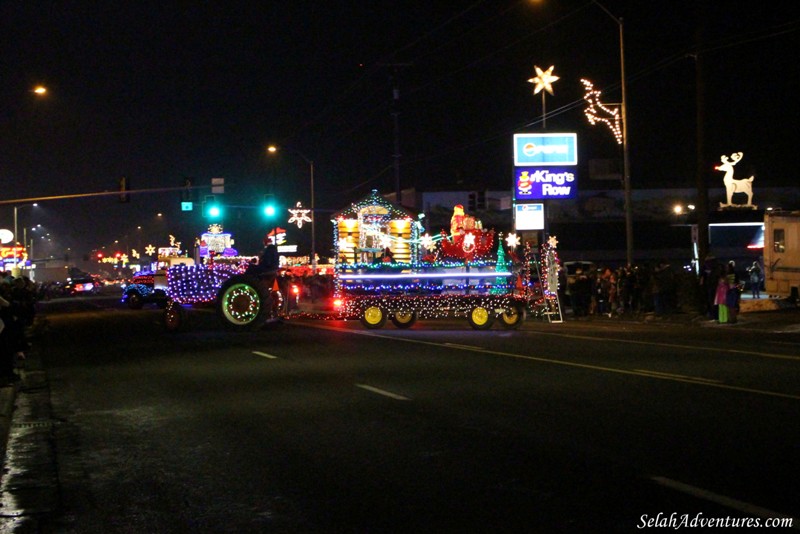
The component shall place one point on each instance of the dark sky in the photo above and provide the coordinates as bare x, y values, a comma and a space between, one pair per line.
159, 91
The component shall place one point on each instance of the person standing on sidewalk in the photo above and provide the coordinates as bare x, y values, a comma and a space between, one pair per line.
755, 279
721, 298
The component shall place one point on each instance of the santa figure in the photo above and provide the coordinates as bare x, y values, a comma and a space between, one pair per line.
457, 220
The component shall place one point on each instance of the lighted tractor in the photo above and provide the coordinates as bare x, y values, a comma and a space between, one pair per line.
241, 301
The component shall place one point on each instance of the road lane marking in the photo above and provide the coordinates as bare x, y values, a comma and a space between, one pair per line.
629, 372
728, 502
459, 346
677, 346
265, 355
672, 375
383, 392
594, 338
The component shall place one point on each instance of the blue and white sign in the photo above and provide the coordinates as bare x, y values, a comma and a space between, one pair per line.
537, 183
529, 217
537, 150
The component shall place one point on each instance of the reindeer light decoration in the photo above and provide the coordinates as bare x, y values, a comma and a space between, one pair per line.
596, 111
735, 186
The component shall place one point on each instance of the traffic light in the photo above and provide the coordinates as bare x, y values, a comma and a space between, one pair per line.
124, 187
186, 192
187, 198
212, 209
268, 207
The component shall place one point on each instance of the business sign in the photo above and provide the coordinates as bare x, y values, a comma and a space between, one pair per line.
529, 217
536, 183
543, 150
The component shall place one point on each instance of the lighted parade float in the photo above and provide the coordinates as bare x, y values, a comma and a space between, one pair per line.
387, 271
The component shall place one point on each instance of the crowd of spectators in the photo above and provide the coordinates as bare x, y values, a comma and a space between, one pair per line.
624, 290
17, 310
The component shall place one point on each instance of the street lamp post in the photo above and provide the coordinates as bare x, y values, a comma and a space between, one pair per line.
625, 159
16, 237
273, 149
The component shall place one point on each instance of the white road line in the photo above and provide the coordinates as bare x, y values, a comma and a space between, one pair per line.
684, 377
728, 502
577, 365
265, 355
458, 346
675, 346
383, 392
700, 348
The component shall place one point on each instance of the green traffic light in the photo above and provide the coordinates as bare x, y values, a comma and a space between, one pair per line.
269, 211
214, 211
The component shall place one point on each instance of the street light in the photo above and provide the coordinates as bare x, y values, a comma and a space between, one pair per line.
272, 149
625, 160
16, 237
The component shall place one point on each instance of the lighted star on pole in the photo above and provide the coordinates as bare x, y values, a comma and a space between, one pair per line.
149, 250
299, 215
543, 80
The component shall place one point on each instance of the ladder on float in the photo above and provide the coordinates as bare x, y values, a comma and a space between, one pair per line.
552, 301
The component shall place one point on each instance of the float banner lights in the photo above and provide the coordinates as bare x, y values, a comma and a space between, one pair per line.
536, 183
529, 217
542, 150
415, 276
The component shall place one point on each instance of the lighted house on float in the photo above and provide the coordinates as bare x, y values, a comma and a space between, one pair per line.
365, 229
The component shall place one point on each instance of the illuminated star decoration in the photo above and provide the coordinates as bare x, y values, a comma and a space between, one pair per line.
552, 241
150, 250
596, 111
512, 240
386, 241
299, 215
543, 80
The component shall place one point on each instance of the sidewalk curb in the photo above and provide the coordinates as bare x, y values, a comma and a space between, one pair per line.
8, 395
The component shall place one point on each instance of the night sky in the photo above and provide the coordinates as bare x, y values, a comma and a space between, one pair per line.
158, 91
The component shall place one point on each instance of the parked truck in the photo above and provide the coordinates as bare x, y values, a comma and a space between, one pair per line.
782, 254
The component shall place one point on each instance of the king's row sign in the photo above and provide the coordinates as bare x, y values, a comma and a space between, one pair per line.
536, 183
544, 166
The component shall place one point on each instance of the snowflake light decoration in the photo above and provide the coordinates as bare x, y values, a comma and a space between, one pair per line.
149, 250
427, 242
512, 240
386, 240
299, 215
345, 244
469, 243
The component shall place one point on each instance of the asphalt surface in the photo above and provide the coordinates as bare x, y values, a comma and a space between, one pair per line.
764, 316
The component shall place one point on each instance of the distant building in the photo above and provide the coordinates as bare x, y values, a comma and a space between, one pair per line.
591, 227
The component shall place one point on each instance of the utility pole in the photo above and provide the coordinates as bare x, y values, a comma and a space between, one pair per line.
700, 173
396, 122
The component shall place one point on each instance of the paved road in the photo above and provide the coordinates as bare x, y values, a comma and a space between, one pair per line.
591, 426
